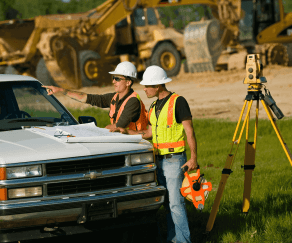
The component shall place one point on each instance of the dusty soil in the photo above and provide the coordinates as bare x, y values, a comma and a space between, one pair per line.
215, 94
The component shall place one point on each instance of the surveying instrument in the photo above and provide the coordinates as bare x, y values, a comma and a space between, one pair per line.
255, 80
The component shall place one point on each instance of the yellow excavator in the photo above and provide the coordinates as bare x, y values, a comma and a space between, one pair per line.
222, 48
75, 50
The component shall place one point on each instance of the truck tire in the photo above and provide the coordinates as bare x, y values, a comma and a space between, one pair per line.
91, 69
43, 75
167, 57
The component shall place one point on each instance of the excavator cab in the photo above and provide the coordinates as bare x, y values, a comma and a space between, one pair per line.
266, 13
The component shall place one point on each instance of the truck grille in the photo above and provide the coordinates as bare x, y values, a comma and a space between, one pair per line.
85, 165
71, 187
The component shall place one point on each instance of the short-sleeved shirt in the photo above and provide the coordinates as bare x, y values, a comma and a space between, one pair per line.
131, 112
182, 109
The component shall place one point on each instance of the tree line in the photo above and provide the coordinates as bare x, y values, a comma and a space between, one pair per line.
25, 9
177, 16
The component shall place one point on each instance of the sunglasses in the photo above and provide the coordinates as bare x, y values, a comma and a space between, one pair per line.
118, 79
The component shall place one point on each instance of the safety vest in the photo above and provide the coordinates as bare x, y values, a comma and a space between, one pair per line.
140, 124
167, 134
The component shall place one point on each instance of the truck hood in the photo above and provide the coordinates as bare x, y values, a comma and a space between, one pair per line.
42, 143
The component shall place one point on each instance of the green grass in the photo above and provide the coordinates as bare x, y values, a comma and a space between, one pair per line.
270, 214
101, 116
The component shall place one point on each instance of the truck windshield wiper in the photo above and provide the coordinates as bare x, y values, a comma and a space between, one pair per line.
29, 120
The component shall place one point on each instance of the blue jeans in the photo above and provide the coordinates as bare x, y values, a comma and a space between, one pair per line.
170, 175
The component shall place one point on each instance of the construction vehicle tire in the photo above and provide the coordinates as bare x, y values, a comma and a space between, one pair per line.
10, 70
278, 54
167, 57
43, 75
2, 69
90, 66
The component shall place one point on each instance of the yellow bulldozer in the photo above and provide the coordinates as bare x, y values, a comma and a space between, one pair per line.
75, 50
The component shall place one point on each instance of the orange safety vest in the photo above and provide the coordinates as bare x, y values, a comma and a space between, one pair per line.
167, 134
141, 123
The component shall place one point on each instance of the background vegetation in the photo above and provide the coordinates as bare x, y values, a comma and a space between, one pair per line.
270, 215
24, 9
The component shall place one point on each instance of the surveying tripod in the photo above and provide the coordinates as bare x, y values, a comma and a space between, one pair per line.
255, 80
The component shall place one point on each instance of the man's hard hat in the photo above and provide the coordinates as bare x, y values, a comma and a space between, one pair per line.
126, 69
154, 75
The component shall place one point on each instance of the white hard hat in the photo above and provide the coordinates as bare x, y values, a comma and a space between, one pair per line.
126, 69
154, 75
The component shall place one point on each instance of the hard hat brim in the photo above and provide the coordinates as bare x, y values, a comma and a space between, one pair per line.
164, 81
114, 72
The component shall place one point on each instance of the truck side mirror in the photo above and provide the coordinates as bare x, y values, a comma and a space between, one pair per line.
86, 119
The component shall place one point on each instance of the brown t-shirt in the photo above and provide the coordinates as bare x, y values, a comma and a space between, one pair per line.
131, 112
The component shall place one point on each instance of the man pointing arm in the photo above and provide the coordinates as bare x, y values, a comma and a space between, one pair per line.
126, 106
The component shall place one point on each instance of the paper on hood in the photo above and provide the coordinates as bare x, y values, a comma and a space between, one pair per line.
86, 133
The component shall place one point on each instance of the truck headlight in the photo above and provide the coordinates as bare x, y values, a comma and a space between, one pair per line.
142, 158
143, 178
25, 192
23, 171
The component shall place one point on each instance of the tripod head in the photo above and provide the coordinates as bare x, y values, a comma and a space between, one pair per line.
254, 70
254, 77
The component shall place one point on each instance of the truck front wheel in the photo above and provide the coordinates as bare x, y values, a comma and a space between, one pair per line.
167, 57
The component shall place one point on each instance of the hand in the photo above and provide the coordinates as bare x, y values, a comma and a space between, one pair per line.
192, 165
111, 126
120, 130
52, 89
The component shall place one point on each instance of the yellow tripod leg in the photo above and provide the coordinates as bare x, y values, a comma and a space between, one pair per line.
249, 164
227, 169
284, 145
248, 169
225, 174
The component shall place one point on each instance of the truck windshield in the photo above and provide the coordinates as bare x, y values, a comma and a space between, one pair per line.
26, 103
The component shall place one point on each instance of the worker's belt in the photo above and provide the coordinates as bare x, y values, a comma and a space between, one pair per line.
168, 156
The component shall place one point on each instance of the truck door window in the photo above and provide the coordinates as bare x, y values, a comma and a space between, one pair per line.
139, 17
151, 17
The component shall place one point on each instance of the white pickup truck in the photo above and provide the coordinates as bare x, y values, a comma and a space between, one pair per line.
57, 175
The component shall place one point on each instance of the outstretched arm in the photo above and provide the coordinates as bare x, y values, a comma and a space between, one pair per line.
146, 134
75, 95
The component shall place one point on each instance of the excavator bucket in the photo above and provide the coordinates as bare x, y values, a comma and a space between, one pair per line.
203, 46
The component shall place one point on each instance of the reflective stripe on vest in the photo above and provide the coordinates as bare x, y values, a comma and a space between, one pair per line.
141, 123
167, 134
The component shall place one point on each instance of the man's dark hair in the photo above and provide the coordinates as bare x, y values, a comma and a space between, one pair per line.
131, 79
